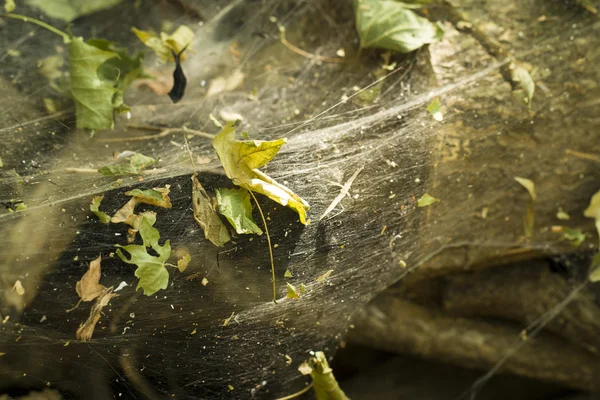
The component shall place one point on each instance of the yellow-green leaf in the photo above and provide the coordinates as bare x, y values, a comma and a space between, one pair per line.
183, 262
94, 207
241, 160
157, 197
9, 6
137, 163
206, 216
151, 271
521, 75
388, 24
573, 236
234, 204
68, 10
292, 293
325, 385
426, 200
288, 274
593, 210
165, 45
529, 218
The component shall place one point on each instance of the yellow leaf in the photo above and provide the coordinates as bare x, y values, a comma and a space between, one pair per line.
164, 45
241, 160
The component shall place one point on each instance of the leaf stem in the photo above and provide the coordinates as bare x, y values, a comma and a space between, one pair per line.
66, 37
297, 394
270, 247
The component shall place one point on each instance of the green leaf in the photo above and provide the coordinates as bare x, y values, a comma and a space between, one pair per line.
389, 24
151, 271
288, 274
68, 10
165, 45
157, 197
241, 160
426, 200
93, 96
521, 75
573, 236
9, 6
292, 293
325, 385
234, 204
206, 216
137, 163
94, 207
593, 210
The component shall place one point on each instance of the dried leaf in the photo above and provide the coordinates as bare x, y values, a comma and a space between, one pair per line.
206, 216
204, 282
157, 197
593, 210
86, 330
137, 163
18, 287
292, 293
426, 200
228, 320
165, 45
68, 10
529, 218
94, 207
241, 160
391, 25
234, 204
521, 75
151, 271
89, 287
183, 262
226, 84
325, 276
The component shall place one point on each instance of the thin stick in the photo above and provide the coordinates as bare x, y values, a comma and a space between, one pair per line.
270, 247
297, 394
163, 132
306, 54
52, 29
585, 156
95, 171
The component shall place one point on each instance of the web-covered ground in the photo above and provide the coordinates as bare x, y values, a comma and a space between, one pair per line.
174, 343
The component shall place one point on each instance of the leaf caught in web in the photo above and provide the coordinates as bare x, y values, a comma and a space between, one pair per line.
89, 287
94, 207
325, 385
593, 210
529, 218
137, 163
165, 45
435, 110
86, 330
573, 236
157, 197
206, 216
151, 271
426, 200
520, 74
183, 262
292, 293
68, 10
234, 204
391, 25
241, 160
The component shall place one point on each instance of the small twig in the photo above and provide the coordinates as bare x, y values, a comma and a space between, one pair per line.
95, 171
163, 132
304, 53
585, 156
270, 247
344, 191
297, 394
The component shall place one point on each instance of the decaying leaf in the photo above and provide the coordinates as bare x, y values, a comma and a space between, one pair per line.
241, 160
292, 293
86, 330
164, 45
137, 163
68, 10
520, 74
157, 197
325, 385
151, 271
392, 25
206, 216
18, 287
183, 262
326, 275
529, 218
593, 210
228, 320
94, 207
234, 204
426, 200
89, 287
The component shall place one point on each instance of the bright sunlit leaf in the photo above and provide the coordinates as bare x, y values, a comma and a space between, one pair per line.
392, 25
292, 293
435, 110
325, 385
234, 204
426, 200
151, 271
241, 160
